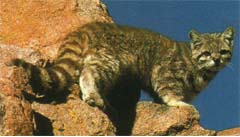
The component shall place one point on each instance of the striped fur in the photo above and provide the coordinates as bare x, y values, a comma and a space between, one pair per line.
97, 57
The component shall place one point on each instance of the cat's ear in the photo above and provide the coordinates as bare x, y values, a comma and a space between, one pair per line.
228, 34
195, 39
194, 35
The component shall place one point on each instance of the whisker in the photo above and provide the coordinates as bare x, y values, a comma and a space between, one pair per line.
230, 65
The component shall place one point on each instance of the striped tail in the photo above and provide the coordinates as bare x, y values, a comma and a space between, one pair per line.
45, 80
66, 68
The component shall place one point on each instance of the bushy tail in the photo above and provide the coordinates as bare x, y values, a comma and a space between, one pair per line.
45, 80
65, 70
39, 78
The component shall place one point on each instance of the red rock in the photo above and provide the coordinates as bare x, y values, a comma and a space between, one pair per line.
196, 130
16, 116
230, 132
72, 118
44, 22
33, 30
155, 119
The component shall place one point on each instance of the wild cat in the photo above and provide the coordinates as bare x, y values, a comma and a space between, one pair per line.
98, 55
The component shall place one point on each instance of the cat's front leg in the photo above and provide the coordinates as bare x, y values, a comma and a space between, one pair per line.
169, 88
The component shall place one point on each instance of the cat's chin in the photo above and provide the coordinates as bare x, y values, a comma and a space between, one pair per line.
213, 69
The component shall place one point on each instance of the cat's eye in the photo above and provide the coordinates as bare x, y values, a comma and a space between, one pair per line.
206, 53
224, 52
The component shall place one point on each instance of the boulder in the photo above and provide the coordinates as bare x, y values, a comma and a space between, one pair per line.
71, 118
16, 115
33, 30
158, 120
230, 132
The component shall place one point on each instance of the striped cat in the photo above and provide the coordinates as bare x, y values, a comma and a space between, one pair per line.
98, 55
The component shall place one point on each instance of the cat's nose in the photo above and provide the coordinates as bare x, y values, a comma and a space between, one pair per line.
216, 55
217, 62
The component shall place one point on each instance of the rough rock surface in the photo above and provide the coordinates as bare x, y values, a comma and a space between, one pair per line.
155, 119
33, 30
72, 118
44, 22
229, 132
15, 112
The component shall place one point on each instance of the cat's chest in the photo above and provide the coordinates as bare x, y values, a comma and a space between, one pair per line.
183, 70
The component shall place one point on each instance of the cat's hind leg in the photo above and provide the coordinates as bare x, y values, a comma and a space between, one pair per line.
98, 76
89, 87
169, 88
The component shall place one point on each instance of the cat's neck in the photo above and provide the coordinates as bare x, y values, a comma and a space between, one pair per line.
201, 76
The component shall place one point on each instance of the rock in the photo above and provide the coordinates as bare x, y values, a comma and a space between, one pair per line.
42, 24
16, 115
230, 132
71, 118
46, 21
33, 30
154, 119
196, 130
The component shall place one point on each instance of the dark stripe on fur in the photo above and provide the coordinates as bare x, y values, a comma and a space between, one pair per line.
69, 62
68, 51
65, 76
54, 78
35, 80
21, 63
70, 42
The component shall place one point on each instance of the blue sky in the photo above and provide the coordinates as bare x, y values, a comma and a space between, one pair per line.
219, 103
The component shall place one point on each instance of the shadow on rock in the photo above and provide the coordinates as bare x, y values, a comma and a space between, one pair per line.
124, 99
43, 125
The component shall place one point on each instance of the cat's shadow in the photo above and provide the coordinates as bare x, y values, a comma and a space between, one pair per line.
124, 99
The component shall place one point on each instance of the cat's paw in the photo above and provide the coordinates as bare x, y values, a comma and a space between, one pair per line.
178, 103
94, 99
195, 112
174, 102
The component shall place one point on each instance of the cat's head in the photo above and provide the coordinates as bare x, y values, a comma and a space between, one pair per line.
212, 51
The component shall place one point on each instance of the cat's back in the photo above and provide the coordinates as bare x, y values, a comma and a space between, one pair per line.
115, 35
120, 39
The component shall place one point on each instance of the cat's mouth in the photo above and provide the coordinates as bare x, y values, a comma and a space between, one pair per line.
207, 64
212, 65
